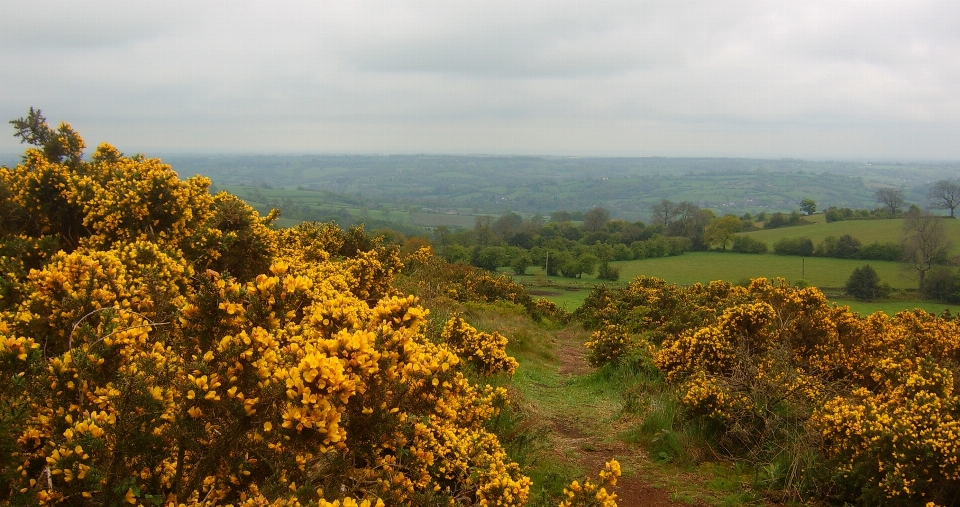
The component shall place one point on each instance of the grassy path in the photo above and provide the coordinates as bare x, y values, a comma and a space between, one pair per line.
580, 413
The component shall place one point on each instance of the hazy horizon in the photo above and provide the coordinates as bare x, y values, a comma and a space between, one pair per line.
765, 79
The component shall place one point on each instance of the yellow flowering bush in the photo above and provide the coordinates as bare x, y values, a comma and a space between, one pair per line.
165, 347
655, 308
486, 351
608, 344
898, 442
771, 367
594, 492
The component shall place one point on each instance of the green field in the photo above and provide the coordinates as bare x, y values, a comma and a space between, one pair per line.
703, 267
892, 307
867, 231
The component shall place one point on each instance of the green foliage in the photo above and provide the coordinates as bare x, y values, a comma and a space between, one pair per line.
520, 263
722, 230
778, 219
844, 247
608, 272
864, 284
942, 284
748, 245
876, 251
801, 246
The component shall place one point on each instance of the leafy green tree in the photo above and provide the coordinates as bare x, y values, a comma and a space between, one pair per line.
864, 284
483, 230
846, 247
691, 220
507, 226
489, 258
559, 263
595, 219
520, 263
608, 272
587, 264
722, 230
808, 206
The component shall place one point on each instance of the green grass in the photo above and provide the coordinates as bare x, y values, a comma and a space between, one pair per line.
867, 231
896, 306
703, 267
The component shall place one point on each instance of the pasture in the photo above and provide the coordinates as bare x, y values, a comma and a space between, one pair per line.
830, 275
867, 231
704, 267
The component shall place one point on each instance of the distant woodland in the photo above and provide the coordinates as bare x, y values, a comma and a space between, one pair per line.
628, 187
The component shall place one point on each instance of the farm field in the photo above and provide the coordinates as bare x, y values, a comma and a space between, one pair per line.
703, 267
867, 231
893, 307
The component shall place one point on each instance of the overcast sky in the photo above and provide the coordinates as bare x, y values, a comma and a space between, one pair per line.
795, 78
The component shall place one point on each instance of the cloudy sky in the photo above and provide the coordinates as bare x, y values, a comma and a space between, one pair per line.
864, 79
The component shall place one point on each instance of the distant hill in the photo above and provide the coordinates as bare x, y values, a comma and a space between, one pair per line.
530, 185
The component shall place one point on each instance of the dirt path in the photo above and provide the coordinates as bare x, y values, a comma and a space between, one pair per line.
587, 433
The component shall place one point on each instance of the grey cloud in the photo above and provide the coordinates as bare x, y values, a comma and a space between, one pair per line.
817, 78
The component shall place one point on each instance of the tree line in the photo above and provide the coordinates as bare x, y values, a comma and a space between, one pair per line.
574, 243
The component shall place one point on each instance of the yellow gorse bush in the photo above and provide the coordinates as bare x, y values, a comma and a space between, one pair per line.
486, 351
161, 346
877, 395
594, 492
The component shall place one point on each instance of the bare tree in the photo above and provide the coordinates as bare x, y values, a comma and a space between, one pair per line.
944, 194
890, 198
924, 242
663, 212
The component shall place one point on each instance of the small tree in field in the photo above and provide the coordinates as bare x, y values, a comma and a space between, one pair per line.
944, 194
808, 206
864, 284
608, 272
722, 230
925, 242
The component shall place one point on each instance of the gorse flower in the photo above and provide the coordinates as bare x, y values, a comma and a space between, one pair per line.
162, 346
877, 393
